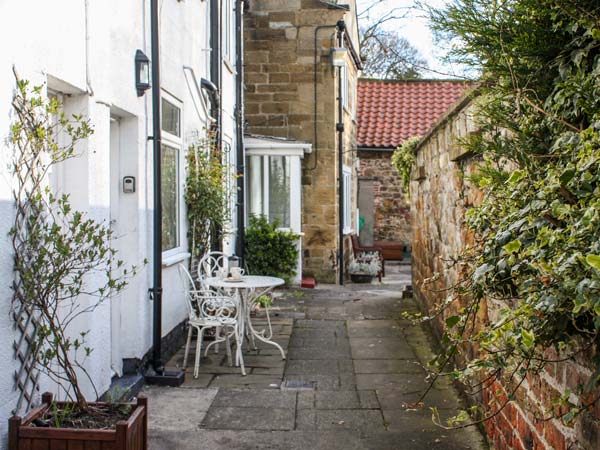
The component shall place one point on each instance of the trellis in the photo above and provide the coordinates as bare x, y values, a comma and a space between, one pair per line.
27, 376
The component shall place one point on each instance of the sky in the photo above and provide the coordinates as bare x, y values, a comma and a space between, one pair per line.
415, 29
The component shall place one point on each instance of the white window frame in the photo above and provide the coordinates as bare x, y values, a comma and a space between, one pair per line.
344, 80
228, 25
176, 142
295, 184
347, 186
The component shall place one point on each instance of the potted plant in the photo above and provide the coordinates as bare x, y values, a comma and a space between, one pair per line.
364, 268
64, 268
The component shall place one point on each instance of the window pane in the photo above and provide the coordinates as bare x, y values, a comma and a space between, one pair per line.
171, 121
347, 199
254, 185
279, 190
169, 197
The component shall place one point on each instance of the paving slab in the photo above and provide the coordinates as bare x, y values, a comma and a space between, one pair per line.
403, 382
257, 398
312, 367
255, 381
352, 375
360, 420
365, 366
381, 348
236, 418
374, 328
174, 409
391, 399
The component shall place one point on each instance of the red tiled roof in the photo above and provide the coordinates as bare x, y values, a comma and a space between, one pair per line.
389, 112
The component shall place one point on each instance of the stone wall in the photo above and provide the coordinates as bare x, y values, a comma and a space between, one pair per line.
280, 98
392, 205
440, 197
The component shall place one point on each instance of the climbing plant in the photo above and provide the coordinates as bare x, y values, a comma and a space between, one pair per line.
536, 261
403, 160
63, 263
207, 194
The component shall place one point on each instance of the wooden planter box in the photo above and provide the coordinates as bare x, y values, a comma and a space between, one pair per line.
127, 435
361, 278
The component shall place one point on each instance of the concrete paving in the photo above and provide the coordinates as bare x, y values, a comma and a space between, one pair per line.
353, 372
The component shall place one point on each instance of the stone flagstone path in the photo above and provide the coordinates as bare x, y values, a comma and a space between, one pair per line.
353, 366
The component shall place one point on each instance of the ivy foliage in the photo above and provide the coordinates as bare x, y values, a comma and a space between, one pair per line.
270, 250
537, 252
403, 160
207, 194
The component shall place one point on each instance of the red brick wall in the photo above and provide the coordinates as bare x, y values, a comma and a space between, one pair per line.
440, 197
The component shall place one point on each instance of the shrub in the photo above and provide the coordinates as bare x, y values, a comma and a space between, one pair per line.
269, 250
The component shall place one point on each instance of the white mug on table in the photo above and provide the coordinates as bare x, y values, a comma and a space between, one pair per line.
236, 272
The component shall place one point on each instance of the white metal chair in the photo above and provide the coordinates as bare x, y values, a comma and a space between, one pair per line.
211, 265
208, 309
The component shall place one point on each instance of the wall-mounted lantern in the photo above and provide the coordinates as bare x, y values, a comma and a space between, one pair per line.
142, 72
338, 56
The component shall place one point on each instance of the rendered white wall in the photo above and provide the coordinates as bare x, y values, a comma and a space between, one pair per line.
52, 48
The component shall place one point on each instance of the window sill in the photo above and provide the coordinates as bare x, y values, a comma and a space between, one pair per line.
171, 260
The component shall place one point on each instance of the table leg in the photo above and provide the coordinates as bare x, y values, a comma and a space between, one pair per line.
255, 334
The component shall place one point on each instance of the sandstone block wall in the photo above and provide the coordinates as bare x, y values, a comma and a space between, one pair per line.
279, 77
392, 205
440, 197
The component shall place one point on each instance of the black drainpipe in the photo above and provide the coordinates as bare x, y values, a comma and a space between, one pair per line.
156, 291
215, 77
157, 374
341, 26
239, 121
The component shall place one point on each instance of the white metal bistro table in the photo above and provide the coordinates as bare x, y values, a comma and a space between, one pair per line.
249, 288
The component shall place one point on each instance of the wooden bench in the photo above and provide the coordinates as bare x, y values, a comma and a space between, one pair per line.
391, 250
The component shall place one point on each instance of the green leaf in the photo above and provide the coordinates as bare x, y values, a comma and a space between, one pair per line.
513, 246
593, 260
516, 176
528, 338
452, 321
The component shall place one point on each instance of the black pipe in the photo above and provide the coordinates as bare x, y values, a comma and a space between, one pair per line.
156, 290
215, 76
316, 95
239, 102
341, 26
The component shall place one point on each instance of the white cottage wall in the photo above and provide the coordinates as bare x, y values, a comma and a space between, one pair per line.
85, 50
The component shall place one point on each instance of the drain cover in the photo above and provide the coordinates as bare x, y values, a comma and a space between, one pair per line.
298, 384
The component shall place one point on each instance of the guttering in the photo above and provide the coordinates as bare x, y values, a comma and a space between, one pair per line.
207, 113
213, 95
239, 128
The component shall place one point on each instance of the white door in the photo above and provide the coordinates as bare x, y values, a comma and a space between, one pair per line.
115, 191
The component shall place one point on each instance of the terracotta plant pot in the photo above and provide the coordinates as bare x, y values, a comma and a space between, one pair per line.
361, 278
130, 434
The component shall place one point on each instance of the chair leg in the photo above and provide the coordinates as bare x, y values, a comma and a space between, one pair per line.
198, 351
228, 349
187, 346
217, 337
